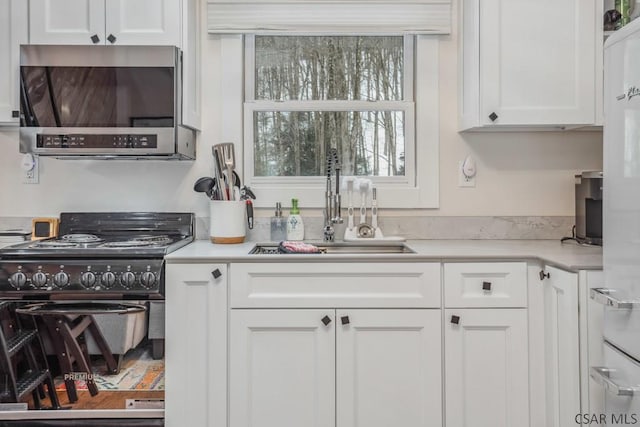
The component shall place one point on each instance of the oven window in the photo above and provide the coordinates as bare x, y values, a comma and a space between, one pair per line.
97, 96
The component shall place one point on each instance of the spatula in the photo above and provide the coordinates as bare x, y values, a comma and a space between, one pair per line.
229, 160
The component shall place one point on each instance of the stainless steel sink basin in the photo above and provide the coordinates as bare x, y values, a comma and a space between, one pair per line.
354, 248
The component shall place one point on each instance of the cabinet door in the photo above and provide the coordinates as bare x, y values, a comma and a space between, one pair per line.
388, 368
66, 21
132, 22
196, 350
282, 368
486, 368
537, 62
561, 347
13, 33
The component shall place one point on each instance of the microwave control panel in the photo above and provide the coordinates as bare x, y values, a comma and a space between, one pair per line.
97, 141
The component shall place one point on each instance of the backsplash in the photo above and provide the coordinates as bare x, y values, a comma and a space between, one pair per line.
440, 227
425, 227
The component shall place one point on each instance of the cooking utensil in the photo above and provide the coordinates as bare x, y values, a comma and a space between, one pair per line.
249, 204
350, 202
229, 160
205, 185
374, 208
364, 189
217, 168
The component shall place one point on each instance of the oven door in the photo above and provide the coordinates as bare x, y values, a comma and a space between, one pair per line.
97, 357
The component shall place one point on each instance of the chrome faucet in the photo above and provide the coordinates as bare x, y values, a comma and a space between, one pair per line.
332, 200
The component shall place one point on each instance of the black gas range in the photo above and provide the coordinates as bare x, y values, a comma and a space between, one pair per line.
117, 255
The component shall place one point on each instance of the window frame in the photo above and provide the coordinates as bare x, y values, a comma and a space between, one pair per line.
418, 188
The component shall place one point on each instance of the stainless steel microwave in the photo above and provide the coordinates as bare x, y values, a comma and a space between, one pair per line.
103, 102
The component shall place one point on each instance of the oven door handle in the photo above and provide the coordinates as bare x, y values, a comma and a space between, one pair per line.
602, 376
607, 297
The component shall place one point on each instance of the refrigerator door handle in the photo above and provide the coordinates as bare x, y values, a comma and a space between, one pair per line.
602, 376
607, 297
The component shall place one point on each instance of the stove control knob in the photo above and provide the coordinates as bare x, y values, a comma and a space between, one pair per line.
61, 279
39, 279
127, 279
108, 279
88, 279
148, 279
18, 280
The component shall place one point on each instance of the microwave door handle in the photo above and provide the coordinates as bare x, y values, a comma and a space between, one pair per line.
607, 297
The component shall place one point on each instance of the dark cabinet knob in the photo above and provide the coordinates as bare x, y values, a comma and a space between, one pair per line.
326, 320
345, 320
455, 319
111, 38
486, 286
543, 275
493, 116
216, 273
15, 114
95, 39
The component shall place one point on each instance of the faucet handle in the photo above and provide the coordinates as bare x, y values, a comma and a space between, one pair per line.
337, 200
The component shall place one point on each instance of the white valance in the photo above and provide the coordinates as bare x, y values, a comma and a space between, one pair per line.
330, 16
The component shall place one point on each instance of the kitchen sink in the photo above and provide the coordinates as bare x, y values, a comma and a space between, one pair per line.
350, 248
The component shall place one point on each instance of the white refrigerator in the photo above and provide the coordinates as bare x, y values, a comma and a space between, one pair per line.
620, 374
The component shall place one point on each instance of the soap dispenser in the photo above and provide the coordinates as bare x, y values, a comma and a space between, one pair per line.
295, 226
278, 225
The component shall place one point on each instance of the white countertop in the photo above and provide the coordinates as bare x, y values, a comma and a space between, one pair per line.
568, 256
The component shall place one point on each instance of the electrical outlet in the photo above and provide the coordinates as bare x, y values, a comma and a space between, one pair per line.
463, 180
30, 169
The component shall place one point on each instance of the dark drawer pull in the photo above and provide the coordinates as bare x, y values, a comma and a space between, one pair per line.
216, 273
455, 319
326, 320
345, 320
111, 38
493, 116
95, 39
543, 275
486, 286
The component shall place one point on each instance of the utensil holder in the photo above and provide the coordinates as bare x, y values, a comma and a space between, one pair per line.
227, 221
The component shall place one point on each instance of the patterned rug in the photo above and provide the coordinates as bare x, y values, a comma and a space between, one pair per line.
138, 371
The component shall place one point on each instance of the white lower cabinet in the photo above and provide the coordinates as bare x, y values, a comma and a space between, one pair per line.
486, 368
282, 368
388, 368
348, 367
562, 350
453, 344
196, 345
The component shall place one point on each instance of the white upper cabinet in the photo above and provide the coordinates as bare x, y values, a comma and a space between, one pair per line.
13, 33
528, 64
126, 22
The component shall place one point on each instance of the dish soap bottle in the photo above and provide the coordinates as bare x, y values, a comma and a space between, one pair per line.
278, 225
295, 226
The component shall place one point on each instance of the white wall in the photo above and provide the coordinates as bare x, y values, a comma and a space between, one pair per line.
521, 174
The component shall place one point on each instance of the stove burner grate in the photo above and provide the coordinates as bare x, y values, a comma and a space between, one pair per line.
54, 244
81, 238
139, 241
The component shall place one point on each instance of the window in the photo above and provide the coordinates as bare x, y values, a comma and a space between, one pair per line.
312, 93
306, 94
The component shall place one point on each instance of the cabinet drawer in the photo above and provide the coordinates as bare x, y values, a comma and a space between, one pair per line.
485, 284
321, 285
